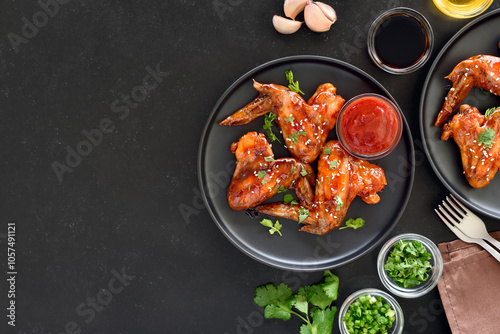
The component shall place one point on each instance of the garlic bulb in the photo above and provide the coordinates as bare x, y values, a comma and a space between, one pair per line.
294, 7
319, 16
285, 26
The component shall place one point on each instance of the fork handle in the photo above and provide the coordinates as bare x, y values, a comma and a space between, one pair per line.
488, 248
493, 241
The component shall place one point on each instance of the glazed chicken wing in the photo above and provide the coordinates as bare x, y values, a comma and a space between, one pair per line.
258, 176
305, 125
478, 71
478, 140
341, 178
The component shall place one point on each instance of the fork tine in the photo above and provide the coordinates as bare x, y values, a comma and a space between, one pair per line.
467, 211
455, 212
443, 212
451, 227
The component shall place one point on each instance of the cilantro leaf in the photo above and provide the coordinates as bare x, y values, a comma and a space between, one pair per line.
303, 214
291, 84
303, 172
295, 136
353, 223
276, 312
301, 303
334, 164
288, 199
323, 320
268, 124
486, 137
289, 119
339, 202
269, 159
281, 189
490, 111
327, 150
261, 174
273, 228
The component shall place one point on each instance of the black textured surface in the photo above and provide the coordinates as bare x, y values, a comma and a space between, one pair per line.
118, 213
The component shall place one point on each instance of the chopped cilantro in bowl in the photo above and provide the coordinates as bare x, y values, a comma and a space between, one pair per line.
370, 311
409, 265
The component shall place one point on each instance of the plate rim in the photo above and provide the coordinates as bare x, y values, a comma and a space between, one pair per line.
428, 78
280, 264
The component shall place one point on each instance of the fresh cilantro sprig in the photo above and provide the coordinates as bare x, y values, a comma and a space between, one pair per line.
303, 214
268, 125
486, 137
490, 111
293, 85
288, 199
408, 264
353, 223
311, 303
276, 227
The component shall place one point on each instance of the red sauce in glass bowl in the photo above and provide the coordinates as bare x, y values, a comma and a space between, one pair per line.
369, 126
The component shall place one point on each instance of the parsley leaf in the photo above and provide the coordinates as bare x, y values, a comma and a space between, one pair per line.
295, 136
289, 119
334, 164
288, 199
303, 171
268, 124
303, 214
281, 189
291, 84
261, 174
486, 137
327, 150
280, 303
353, 223
276, 227
408, 263
339, 202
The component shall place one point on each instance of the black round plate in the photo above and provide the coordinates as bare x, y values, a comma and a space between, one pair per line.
297, 250
481, 36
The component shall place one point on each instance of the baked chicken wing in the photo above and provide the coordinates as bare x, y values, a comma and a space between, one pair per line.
340, 179
478, 140
478, 71
258, 176
304, 125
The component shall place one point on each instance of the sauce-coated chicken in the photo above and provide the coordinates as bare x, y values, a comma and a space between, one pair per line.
258, 176
478, 71
305, 125
480, 160
340, 179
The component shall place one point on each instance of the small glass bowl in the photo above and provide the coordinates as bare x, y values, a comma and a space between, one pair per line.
380, 154
436, 261
457, 11
397, 325
381, 22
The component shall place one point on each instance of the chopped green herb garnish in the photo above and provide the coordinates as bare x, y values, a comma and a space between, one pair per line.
269, 159
281, 189
303, 172
303, 214
353, 223
238, 204
276, 227
295, 137
327, 150
369, 314
311, 303
486, 137
263, 182
408, 264
289, 119
485, 92
249, 186
334, 164
291, 84
339, 202
261, 174
490, 111
268, 125
288, 199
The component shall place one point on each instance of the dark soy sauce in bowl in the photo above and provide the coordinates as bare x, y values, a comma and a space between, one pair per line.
400, 40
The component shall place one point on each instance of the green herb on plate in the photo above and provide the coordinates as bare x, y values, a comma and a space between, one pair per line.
276, 227
303, 214
486, 137
268, 125
293, 85
490, 111
288, 199
311, 303
353, 223
408, 264
369, 314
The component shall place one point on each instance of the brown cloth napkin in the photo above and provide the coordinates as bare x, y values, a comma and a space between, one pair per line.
470, 288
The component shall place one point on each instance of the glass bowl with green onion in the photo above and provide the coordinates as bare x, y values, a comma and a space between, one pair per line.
371, 311
409, 265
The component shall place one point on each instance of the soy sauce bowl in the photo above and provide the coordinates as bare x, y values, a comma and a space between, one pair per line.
397, 325
400, 40
436, 262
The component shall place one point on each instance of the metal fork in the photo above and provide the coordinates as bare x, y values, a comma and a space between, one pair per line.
442, 213
467, 222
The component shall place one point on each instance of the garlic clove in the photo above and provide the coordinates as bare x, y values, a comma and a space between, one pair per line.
285, 26
294, 7
328, 11
319, 16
